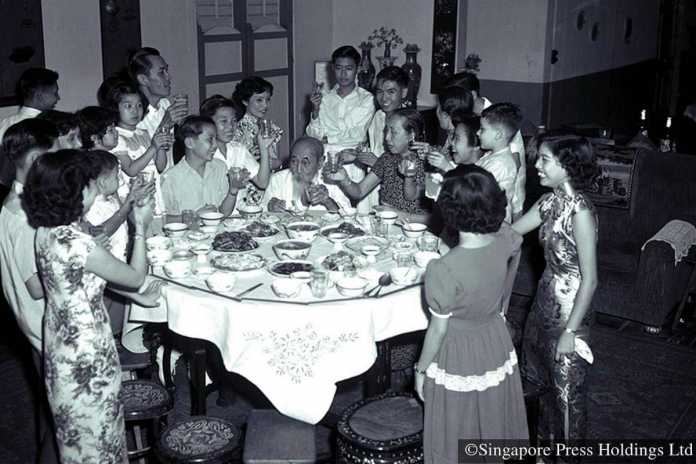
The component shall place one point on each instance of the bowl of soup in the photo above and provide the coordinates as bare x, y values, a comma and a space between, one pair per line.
292, 249
303, 230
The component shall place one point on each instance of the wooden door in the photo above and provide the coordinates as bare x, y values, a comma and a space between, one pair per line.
241, 38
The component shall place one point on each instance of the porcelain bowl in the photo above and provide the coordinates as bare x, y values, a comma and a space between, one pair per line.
175, 229
403, 275
292, 249
250, 211
286, 288
204, 271
303, 230
414, 229
221, 282
158, 257
211, 218
178, 269
210, 230
422, 258
158, 243
351, 286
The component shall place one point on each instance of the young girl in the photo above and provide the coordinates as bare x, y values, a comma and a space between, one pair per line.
135, 150
467, 373
254, 95
555, 351
97, 128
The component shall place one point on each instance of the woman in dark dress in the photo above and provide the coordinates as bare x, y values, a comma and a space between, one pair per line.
467, 373
555, 345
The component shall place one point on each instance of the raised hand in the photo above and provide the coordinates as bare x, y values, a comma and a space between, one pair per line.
438, 160
315, 98
333, 177
162, 140
178, 109
238, 178
317, 194
347, 156
142, 212
367, 158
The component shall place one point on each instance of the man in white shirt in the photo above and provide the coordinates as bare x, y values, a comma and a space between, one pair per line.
343, 114
24, 142
301, 187
38, 91
151, 72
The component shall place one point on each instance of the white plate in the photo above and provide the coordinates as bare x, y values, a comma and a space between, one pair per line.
237, 262
326, 230
289, 263
356, 243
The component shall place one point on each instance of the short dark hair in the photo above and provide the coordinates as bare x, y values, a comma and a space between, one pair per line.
62, 120
112, 90
469, 121
28, 135
211, 104
248, 87
471, 200
413, 121
346, 51
192, 126
466, 80
575, 154
139, 63
455, 98
52, 193
33, 80
94, 120
102, 161
394, 74
507, 115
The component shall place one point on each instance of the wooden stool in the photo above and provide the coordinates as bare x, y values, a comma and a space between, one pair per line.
135, 365
274, 438
145, 404
387, 429
200, 440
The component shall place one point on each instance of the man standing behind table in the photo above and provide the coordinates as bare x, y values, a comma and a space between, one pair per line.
343, 114
38, 90
151, 72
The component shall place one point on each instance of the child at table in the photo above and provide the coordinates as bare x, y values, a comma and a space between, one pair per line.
499, 123
200, 182
97, 128
67, 125
136, 150
467, 372
235, 155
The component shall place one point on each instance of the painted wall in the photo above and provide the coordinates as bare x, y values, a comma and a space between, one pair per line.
313, 20
72, 42
354, 21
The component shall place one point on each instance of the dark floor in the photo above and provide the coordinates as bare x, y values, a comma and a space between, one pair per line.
640, 386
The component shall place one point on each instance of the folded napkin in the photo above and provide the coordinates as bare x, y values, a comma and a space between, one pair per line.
680, 235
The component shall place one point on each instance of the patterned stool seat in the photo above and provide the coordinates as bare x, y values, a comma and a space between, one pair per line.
272, 438
144, 399
387, 429
198, 440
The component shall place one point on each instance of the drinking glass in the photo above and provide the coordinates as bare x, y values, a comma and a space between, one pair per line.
265, 128
428, 242
332, 159
432, 185
319, 283
402, 259
381, 228
188, 217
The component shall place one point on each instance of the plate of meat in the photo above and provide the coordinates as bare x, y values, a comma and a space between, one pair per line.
345, 228
234, 242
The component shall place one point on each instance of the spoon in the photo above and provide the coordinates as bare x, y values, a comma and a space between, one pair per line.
384, 281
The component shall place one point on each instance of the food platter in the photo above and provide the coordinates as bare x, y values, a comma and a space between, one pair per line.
356, 244
234, 242
338, 262
261, 230
237, 262
285, 268
345, 227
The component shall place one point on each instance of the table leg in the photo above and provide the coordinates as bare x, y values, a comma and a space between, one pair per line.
378, 377
198, 390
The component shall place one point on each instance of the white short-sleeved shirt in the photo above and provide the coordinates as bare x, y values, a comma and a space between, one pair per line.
239, 156
18, 264
282, 187
502, 165
343, 120
101, 210
183, 188
7, 167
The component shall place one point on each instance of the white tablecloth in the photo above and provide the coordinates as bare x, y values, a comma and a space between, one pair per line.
294, 353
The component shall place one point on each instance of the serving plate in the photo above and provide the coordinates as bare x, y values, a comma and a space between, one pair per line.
287, 267
240, 234
237, 262
356, 244
345, 227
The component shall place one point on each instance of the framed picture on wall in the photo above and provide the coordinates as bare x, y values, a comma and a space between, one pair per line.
323, 75
21, 45
444, 41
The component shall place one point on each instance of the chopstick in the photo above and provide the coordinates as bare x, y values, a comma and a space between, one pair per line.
252, 288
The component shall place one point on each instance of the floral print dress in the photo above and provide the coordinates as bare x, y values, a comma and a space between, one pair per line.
82, 370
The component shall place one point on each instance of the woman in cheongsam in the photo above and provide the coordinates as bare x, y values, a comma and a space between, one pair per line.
555, 348
81, 364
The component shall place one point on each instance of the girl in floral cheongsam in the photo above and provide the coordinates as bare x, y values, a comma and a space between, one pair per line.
555, 350
81, 365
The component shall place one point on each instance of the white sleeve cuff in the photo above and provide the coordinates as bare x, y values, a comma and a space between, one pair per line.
441, 316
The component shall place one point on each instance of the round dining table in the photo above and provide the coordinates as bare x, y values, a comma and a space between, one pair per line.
294, 349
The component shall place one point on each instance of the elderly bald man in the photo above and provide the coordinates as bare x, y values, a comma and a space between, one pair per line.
300, 187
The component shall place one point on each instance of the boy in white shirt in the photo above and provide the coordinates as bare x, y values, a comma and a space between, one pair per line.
499, 123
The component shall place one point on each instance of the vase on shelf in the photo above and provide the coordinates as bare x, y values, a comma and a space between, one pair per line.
366, 70
414, 71
385, 61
